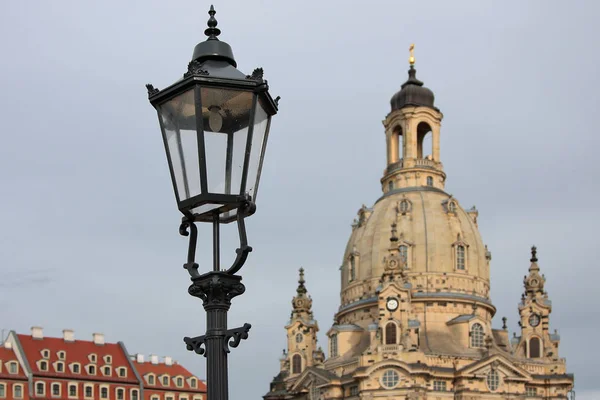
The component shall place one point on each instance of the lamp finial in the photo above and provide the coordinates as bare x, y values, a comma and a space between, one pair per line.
212, 31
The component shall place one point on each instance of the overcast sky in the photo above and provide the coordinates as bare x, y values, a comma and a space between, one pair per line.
89, 226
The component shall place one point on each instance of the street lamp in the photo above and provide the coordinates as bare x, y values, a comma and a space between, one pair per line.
215, 124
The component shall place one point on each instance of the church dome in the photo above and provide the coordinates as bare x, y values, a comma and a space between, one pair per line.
413, 93
438, 240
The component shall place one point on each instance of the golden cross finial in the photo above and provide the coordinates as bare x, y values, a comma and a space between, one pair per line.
411, 59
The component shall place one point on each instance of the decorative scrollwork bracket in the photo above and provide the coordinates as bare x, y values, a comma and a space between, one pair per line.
237, 335
195, 344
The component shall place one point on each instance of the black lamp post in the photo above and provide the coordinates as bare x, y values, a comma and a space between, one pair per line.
215, 124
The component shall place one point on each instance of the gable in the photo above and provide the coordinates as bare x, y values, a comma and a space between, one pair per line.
502, 364
310, 376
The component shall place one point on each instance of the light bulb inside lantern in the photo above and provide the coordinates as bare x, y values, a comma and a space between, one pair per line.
215, 120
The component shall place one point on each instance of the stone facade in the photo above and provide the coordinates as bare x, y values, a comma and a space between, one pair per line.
415, 319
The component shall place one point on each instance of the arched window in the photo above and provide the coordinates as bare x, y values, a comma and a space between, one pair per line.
390, 333
452, 206
352, 272
424, 142
55, 389
460, 257
403, 253
397, 150
476, 335
296, 364
333, 345
391, 185
120, 394
534, 348
429, 181
104, 393
39, 388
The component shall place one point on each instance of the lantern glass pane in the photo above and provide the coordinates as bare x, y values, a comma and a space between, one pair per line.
178, 119
225, 115
259, 135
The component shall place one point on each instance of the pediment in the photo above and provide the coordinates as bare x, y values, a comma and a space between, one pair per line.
312, 376
498, 362
401, 289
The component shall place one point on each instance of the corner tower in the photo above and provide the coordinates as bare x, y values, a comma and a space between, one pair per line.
412, 131
302, 351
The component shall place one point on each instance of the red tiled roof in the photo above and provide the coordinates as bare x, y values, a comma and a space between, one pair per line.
76, 352
173, 371
7, 355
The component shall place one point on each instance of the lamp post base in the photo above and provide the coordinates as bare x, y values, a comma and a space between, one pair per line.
216, 289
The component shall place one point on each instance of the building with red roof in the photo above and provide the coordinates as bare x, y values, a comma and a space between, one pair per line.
168, 380
38, 367
13, 381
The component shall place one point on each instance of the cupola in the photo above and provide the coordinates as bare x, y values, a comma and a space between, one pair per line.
412, 92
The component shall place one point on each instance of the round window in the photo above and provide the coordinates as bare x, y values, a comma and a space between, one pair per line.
493, 380
390, 379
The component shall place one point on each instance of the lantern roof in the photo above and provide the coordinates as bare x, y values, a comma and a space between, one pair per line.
212, 48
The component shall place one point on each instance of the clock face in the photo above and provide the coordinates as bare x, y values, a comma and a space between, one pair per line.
534, 320
392, 304
299, 338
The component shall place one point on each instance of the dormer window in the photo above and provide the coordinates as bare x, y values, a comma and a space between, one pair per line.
165, 380
403, 253
122, 372
477, 335
61, 355
91, 370
151, 379
43, 365
193, 382
179, 382
75, 368
108, 359
60, 367
93, 358
13, 367
460, 257
452, 207
333, 345
106, 371
353, 260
